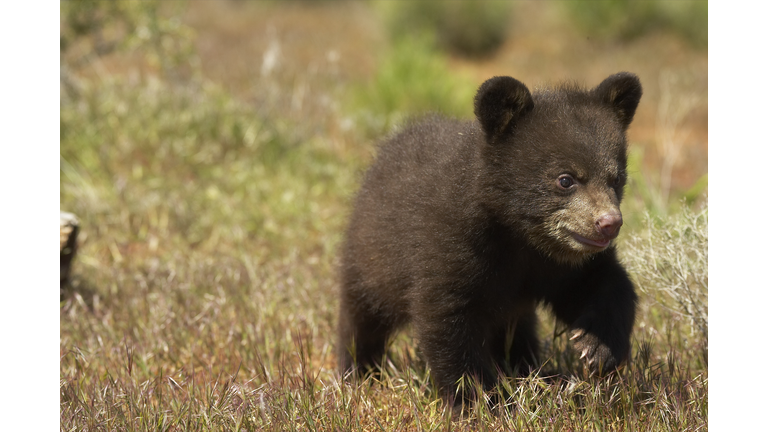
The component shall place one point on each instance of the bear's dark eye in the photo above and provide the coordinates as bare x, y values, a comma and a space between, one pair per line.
617, 181
565, 181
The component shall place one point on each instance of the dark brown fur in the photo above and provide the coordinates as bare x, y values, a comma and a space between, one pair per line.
463, 227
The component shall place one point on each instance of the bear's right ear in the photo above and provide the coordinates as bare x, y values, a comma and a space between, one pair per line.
500, 102
622, 92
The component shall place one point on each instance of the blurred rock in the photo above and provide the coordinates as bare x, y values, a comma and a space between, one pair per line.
70, 226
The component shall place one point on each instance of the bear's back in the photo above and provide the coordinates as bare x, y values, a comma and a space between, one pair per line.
415, 200
425, 169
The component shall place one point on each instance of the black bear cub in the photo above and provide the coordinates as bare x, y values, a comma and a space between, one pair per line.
461, 228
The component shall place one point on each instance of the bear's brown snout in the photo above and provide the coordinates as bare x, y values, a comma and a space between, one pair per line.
608, 225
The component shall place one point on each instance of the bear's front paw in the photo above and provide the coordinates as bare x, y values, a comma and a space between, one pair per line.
599, 356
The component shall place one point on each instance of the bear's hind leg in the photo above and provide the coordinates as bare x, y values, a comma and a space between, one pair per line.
362, 339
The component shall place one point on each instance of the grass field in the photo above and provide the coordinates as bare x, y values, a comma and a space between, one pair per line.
211, 151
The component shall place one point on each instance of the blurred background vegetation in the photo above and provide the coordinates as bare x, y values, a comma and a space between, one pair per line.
623, 20
211, 150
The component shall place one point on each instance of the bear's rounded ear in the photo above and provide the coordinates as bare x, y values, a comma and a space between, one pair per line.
622, 92
500, 102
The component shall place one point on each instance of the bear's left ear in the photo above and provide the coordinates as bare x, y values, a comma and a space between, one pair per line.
499, 103
622, 92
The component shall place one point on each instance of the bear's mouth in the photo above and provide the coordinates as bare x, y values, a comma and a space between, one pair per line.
600, 244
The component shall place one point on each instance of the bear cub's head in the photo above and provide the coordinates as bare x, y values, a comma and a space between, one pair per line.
556, 161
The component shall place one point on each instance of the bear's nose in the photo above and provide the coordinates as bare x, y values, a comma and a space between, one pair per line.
609, 224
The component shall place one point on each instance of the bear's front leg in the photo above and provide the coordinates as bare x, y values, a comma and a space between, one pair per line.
458, 344
600, 311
